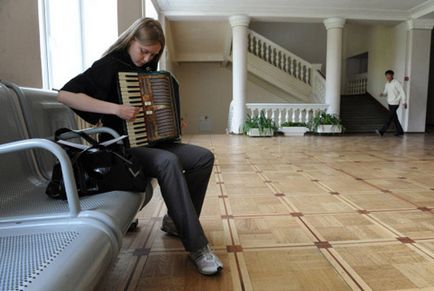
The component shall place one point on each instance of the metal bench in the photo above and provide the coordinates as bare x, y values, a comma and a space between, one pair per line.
48, 244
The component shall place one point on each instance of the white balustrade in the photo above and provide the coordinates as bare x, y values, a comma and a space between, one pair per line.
357, 84
286, 112
279, 57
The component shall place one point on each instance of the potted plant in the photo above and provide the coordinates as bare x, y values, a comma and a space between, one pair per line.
325, 123
259, 125
293, 128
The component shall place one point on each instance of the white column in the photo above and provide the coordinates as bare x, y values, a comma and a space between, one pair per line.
237, 111
334, 28
417, 71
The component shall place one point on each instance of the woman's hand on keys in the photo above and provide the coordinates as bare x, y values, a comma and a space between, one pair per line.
127, 112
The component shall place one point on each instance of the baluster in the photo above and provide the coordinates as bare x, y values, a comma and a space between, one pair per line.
296, 68
287, 115
293, 115
279, 120
270, 54
299, 71
258, 48
291, 66
307, 116
309, 76
300, 115
250, 43
273, 115
279, 60
254, 47
264, 51
284, 67
275, 57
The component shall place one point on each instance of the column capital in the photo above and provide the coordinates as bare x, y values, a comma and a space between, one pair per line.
425, 24
239, 20
334, 22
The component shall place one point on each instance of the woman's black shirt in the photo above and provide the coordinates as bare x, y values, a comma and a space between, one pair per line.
100, 82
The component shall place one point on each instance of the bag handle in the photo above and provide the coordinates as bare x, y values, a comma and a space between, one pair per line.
81, 134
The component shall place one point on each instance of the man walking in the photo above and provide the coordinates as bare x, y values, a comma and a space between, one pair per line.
395, 96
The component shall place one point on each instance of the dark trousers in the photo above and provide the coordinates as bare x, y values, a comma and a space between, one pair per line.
393, 117
183, 173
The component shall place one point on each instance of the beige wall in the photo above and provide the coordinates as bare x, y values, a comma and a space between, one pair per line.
128, 12
206, 91
20, 54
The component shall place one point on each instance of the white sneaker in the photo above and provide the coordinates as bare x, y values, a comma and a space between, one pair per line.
206, 261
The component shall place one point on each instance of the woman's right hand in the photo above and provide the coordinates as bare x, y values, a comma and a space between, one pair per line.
127, 112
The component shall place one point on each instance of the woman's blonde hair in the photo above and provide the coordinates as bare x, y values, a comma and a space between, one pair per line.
147, 31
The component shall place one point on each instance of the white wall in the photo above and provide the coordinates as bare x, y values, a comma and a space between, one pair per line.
419, 46
20, 54
206, 90
380, 43
396, 48
307, 40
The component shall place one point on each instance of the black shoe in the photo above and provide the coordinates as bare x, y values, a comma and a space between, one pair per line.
378, 132
399, 133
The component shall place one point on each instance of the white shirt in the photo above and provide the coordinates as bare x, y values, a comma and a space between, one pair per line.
394, 92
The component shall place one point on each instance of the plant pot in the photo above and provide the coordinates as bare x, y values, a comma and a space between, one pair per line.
294, 130
254, 132
326, 128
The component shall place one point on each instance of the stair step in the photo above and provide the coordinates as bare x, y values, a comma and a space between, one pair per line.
362, 113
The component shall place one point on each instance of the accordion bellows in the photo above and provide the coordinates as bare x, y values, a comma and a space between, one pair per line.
155, 93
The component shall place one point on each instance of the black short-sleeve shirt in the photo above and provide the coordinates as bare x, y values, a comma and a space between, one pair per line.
100, 82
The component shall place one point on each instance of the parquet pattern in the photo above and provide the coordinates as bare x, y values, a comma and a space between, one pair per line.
302, 213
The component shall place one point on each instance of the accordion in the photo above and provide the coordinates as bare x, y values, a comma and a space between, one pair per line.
156, 93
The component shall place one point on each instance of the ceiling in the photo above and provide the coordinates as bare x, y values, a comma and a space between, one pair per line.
288, 10
200, 30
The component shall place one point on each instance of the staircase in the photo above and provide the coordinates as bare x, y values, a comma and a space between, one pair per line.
362, 113
286, 71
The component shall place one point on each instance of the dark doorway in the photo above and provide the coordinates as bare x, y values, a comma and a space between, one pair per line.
356, 74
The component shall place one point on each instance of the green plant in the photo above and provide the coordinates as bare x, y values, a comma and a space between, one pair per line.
324, 119
293, 124
260, 122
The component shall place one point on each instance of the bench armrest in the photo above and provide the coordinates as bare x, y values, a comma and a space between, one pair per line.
65, 164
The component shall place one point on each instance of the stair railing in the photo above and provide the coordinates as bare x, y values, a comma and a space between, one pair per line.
287, 62
357, 84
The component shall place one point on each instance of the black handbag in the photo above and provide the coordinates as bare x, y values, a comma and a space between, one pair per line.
97, 168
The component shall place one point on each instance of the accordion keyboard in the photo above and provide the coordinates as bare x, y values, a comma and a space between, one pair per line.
153, 93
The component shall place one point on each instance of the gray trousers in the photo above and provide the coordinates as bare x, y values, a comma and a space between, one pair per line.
183, 173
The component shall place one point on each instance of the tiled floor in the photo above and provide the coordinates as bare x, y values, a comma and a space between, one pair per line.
302, 213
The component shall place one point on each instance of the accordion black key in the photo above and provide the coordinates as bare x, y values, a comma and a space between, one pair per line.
156, 93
